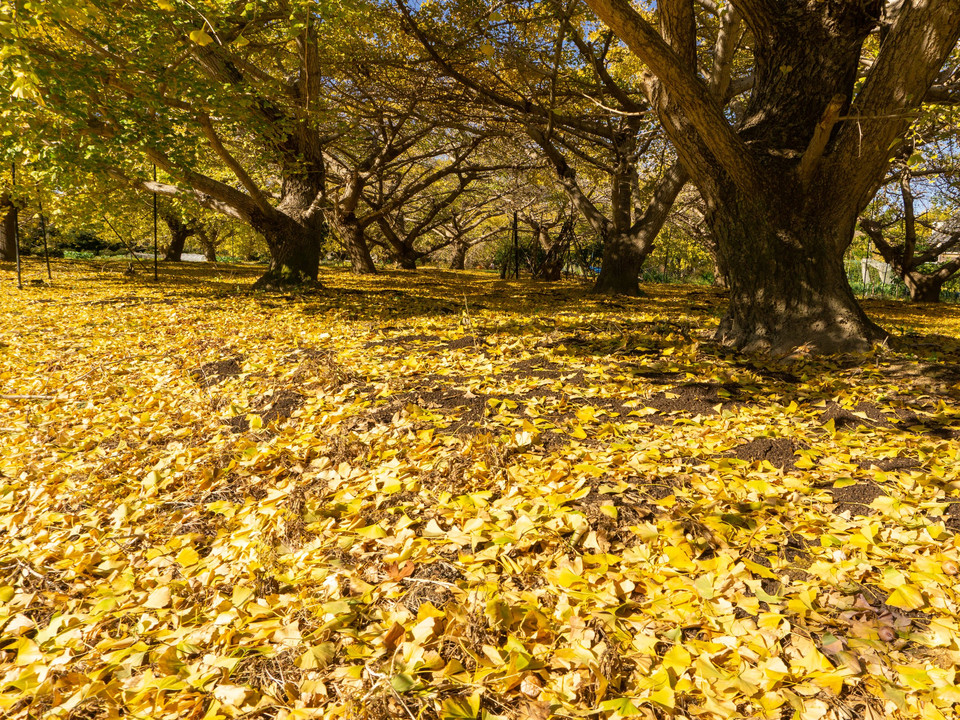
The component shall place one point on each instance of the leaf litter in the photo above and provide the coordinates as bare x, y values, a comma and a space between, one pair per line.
368, 503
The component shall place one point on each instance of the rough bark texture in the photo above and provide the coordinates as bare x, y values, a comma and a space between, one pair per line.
620, 267
179, 232
294, 249
783, 190
8, 220
209, 252
923, 289
459, 259
554, 250
355, 245
787, 282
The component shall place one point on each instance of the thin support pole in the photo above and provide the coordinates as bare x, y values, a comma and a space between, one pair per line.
156, 270
16, 227
43, 229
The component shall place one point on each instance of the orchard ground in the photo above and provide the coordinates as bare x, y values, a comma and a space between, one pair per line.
443, 495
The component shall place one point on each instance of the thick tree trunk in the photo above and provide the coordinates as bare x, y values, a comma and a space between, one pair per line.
923, 288
788, 286
551, 266
294, 252
8, 240
620, 267
355, 243
459, 259
405, 259
175, 248
179, 232
806, 157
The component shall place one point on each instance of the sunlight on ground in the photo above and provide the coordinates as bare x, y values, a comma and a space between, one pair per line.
441, 494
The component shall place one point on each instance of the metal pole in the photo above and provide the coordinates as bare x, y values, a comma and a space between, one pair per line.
156, 272
43, 228
16, 226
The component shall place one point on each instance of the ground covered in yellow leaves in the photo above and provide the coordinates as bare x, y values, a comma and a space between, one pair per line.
437, 495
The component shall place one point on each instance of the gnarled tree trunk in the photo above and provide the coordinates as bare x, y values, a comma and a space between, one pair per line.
179, 232
784, 188
355, 244
786, 278
459, 259
620, 267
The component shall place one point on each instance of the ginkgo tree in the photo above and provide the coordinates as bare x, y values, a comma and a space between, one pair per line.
184, 86
784, 187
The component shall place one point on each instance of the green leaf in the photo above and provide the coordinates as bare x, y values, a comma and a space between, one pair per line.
403, 682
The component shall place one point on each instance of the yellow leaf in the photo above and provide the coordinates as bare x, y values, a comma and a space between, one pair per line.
159, 598
232, 695
907, 597
28, 652
579, 433
677, 658
200, 37
374, 532
679, 559
188, 556
165, 5
664, 696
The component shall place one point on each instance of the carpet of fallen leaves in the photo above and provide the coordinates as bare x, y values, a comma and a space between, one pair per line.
439, 495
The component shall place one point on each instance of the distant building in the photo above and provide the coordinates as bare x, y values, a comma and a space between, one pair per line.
943, 234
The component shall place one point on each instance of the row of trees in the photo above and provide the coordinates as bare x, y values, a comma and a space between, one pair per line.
401, 130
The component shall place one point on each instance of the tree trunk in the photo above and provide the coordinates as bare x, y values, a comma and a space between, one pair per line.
788, 286
459, 259
551, 266
179, 232
923, 288
209, 251
406, 259
294, 252
8, 240
784, 187
358, 251
620, 267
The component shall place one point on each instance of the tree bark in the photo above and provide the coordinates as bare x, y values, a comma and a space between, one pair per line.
209, 252
459, 259
923, 288
294, 250
620, 266
783, 189
788, 286
8, 240
355, 243
551, 265
179, 232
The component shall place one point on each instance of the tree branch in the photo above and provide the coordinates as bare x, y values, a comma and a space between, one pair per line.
686, 90
231, 162
910, 57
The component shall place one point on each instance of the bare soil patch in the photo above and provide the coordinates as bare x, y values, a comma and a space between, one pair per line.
212, 373
779, 452
856, 499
